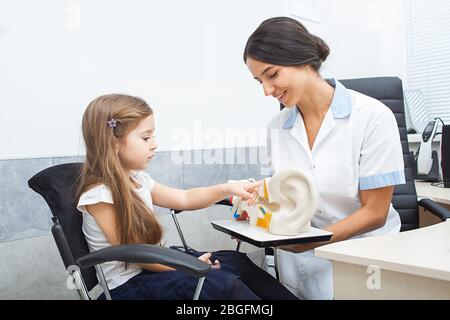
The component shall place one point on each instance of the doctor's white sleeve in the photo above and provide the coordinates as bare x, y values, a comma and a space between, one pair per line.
381, 159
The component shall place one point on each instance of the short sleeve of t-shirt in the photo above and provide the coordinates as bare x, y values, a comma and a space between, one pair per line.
100, 193
381, 161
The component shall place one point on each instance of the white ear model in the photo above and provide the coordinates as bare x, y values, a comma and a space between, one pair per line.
287, 201
292, 199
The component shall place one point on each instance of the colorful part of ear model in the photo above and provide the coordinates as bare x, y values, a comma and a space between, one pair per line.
264, 222
286, 203
264, 215
257, 214
235, 210
266, 191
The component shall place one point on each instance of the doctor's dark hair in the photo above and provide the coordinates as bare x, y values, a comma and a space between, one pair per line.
285, 41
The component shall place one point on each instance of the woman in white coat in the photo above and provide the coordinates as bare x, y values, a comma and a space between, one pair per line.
347, 143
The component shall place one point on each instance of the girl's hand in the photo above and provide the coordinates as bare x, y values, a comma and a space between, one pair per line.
205, 258
245, 190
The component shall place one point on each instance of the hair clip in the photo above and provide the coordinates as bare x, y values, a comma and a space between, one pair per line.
112, 123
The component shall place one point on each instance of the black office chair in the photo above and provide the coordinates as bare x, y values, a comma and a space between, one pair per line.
389, 91
185, 247
57, 185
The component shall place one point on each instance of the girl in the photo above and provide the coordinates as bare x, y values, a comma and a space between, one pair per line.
116, 198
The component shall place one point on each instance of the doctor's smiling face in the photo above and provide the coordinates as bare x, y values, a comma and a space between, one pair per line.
284, 83
283, 56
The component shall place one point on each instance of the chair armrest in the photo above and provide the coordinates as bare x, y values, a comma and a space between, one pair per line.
436, 209
224, 202
146, 253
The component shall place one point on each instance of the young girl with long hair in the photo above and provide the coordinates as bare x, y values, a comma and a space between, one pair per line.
116, 199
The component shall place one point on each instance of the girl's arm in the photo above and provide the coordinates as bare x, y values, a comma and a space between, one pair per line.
199, 198
371, 216
104, 214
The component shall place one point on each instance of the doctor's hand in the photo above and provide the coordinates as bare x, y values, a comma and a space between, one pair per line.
244, 189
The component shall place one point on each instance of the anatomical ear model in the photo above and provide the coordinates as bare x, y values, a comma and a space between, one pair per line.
286, 203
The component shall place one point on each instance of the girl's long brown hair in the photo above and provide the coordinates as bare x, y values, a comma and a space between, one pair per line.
135, 222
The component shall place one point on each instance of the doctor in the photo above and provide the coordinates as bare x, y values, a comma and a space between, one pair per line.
348, 144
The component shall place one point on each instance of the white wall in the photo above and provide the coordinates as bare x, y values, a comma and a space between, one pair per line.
183, 57
367, 38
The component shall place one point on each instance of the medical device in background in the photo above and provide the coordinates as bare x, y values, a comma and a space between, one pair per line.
426, 159
445, 155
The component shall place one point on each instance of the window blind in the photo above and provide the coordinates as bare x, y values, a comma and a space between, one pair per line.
428, 53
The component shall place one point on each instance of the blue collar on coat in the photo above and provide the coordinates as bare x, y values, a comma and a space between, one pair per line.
341, 105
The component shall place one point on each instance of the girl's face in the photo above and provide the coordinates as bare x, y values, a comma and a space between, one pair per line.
285, 83
138, 147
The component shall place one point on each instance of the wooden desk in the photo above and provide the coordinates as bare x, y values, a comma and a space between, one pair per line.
426, 190
437, 194
409, 265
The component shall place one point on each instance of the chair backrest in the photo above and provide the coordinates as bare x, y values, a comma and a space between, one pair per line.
58, 185
389, 91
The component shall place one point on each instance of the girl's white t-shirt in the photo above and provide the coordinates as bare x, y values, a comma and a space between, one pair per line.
115, 272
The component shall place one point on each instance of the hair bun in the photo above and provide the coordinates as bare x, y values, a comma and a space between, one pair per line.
285, 41
322, 48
